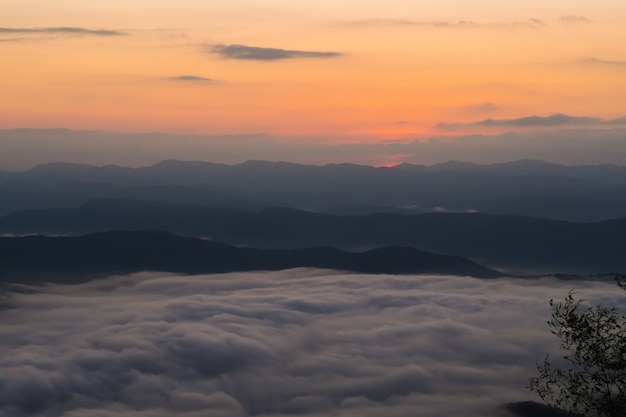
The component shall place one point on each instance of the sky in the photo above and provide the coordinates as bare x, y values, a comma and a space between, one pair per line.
255, 343
312, 74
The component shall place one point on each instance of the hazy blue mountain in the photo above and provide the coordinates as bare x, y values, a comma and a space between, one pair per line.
19, 194
195, 172
585, 204
533, 188
606, 173
512, 242
5, 176
71, 259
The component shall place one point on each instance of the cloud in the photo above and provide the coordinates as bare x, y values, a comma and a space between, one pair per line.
444, 24
303, 341
575, 19
557, 119
534, 22
592, 60
486, 107
565, 145
192, 78
413, 23
62, 30
256, 53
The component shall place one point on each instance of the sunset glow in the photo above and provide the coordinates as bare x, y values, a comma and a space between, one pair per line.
308, 69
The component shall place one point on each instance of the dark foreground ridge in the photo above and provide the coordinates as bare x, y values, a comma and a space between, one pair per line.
515, 243
34, 259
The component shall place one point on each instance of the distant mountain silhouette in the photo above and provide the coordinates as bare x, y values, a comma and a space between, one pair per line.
73, 259
509, 242
19, 194
195, 172
532, 188
606, 173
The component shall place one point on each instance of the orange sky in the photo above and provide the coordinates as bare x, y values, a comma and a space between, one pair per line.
398, 69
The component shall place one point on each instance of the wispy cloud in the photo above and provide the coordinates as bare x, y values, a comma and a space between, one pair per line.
255, 53
486, 107
192, 78
557, 119
592, 60
13, 39
445, 24
65, 30
575, 19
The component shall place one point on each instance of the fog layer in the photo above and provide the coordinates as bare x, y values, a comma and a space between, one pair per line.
296, 342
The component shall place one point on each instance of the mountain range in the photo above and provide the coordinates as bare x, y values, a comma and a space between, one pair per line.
35, 259
527, 188
516, 243
521, 217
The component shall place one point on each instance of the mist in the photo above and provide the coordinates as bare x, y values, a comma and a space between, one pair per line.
25, 148
295, 342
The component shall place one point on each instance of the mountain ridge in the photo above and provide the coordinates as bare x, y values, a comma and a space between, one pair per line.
501, 241
559, 192
35, 259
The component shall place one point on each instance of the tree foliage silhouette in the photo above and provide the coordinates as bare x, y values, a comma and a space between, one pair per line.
590, 379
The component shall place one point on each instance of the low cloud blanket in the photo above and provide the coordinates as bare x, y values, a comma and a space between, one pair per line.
299, 342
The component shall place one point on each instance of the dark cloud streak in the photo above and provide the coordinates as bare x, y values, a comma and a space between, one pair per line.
554, 120
255, 53
192, 78
67, 30
592, 60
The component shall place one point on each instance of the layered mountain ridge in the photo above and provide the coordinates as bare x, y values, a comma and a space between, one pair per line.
529, 188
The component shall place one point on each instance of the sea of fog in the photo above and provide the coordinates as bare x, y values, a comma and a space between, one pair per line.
300, 342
